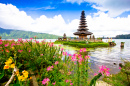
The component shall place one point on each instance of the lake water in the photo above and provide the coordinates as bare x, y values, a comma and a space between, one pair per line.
104, 56
107, 55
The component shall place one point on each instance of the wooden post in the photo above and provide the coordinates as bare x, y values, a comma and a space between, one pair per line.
122, 44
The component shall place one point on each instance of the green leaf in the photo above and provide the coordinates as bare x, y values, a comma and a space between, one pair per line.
2, 74
19, 65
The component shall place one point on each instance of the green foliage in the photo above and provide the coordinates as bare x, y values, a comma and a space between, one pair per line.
126, 36
83, 44
120, 79
14, 34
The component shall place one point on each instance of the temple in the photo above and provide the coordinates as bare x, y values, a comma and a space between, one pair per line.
82, 32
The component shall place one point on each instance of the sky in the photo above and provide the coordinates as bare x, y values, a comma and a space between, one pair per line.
106, 18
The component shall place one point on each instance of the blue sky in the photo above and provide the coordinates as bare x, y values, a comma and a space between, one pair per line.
104, 17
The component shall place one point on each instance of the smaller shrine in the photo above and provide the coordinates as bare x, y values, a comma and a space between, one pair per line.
64, 38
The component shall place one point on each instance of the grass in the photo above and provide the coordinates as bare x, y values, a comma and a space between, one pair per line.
83, 44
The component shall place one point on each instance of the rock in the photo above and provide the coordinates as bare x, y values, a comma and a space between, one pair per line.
102, 83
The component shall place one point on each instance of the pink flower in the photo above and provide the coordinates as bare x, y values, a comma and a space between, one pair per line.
49, 68
20, 51
95, 74
64, 53
62, 49
0, 43
37, 41
82, 50
41, 54
104, 70
70, 55
56, 62
45, 81
68, 73
119, 67
6, 45
54, 83
66, 80
71, 83
59, 45
87, 57
73, 58
29, 51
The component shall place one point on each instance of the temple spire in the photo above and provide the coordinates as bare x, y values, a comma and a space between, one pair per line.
82, 32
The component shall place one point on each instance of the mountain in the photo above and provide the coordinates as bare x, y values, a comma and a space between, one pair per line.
14, 34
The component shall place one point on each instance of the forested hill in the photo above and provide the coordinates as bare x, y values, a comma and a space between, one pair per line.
126, 36
14, 34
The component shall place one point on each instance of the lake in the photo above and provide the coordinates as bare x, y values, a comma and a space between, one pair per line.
106, 55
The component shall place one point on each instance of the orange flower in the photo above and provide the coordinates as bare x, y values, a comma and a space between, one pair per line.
6, 67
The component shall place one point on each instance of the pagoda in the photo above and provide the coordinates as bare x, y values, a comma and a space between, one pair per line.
82, 32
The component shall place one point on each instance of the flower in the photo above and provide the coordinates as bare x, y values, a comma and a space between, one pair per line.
8, 62
25, 73
62, 49
20, 51
49, 68
73, 58
6, 45
0, 43
21, 78
56, 62
119, 67
12, 65
64, 53
66, 80
95, 74
71, 83
6, 67
45, 81
87, 57
68, 73
59, 45
104, 70
54, 83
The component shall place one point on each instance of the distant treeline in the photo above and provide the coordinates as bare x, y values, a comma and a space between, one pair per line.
14, 34
126, 36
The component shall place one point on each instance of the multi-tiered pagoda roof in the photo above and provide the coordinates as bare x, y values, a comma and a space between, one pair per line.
82, 32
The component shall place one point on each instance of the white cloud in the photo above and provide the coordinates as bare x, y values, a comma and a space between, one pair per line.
45, 8
102, 25
114, 7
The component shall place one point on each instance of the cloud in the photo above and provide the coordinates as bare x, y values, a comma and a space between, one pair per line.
114, 7
45, 8
102, 25
12, 18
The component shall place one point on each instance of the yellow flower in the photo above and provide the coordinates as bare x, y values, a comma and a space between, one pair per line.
8, 62
6, 67
12, 65
20, 78
25, 73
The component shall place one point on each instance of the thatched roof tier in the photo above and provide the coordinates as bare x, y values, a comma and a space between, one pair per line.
83, 33
83, 26
83, 29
